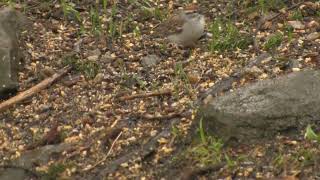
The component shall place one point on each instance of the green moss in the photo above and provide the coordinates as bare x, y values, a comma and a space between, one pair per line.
226, 36
274, 41
88, 68
296, 15
54, 171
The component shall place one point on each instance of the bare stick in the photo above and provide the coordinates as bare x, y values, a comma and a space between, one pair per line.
157, 93
33, 90
106, 156
113, 143
142, 152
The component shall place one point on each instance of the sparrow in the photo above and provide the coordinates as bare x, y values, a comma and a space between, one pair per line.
184, 28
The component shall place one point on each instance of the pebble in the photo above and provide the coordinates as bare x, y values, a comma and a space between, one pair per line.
296, 24
313, 36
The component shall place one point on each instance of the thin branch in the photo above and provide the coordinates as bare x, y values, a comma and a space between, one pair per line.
106, 156
33, 90
142, 152
112, 145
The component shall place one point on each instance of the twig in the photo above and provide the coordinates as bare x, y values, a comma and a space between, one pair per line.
106, 156
142, 95
33, 90
109, 134
142, 152
154, 27
113, 143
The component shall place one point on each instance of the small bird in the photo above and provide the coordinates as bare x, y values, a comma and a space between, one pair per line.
184, 28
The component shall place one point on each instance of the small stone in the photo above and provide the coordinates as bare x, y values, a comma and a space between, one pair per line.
95, 52
259, 175
84, 153
296, 24
132, 139
248, 171
124, 165
313, 24
94, 55
276, 70
163, 141
44, 108
294, 63
263, 76
296, 69
255, 71
166, 150
153, 133
63, 94
113, 55
313, 36
107, 57
34, 130
93, 58
36, 117
77, 46
289, 142
46, 72
98, 79
150, 61
21, 147
253, 15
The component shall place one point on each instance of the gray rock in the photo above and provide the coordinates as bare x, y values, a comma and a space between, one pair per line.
13, 173
107, 57
10, 23
94, 55
262, 110
150, 61
22, 167
41, 155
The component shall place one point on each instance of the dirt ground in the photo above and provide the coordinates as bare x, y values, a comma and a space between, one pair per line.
126, 119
